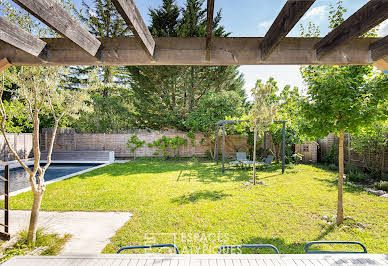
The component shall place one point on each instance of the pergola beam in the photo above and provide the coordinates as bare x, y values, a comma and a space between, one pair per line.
132, 16
4, 64
370, 15
191, 51
56, 17
379, 49
290, 14
209, 28
20, 38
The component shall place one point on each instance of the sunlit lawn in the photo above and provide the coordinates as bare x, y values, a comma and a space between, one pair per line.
191, 203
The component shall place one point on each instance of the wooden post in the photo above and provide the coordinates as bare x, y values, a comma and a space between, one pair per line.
265, 144
223, 147
218, 129
254, 154
4, 64
284, 146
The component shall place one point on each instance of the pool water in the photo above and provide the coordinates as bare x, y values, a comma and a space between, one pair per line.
19, 177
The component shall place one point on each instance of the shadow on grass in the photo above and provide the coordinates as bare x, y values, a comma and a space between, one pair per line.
200, 170
282, 246
198, 195
333, 183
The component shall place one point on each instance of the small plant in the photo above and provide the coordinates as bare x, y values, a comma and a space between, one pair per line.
332, 167
134, 143
382, 185
331, 157
297, 157
357, 177
191, 136
168, 146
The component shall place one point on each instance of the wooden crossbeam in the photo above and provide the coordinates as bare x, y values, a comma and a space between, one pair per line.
290, 14
209, 28
55, 16
4, 64
192, 51
370, 15
379, 49
132, 16
20, 38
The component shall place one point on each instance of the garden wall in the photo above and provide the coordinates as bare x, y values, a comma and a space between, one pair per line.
68, 139
352, 157
22, 143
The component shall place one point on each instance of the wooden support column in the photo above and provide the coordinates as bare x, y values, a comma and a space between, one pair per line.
56, 17
20, 38
217, 141
370, 15
379, 53
209, 28
223, 147
290, 14
132, 16
4, 64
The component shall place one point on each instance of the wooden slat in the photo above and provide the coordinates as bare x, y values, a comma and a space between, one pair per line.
370, 15
382, 64
132, 16
379, 49
290, 14
4, 64
209, 28
191, 51
20, 38
55, 16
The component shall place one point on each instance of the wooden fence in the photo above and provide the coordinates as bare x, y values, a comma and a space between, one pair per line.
352, 157
68, 139
22, 143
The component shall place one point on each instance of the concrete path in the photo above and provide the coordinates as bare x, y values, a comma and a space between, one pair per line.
90, 231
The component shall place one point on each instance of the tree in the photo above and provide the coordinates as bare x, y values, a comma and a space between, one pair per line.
164, 96
263, 112
341, 99
212, 108
40, 90
110, 99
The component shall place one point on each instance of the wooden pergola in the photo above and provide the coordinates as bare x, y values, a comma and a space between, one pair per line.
342, 46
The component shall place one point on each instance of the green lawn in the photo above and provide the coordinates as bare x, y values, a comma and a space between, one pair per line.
194, 203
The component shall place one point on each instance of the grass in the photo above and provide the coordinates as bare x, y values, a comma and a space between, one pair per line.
52, 242
191, 203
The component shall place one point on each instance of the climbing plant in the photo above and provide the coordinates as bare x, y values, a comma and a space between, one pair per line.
134, 143
168, 146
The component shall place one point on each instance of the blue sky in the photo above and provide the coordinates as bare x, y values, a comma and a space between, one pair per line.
252, 18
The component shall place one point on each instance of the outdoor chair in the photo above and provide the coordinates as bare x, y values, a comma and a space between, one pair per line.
240, 158
266, 162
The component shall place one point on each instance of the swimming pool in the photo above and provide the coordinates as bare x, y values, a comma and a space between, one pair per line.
19, 177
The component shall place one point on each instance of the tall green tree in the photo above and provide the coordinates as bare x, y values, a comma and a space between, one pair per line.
164, 96
342, 99
112, 109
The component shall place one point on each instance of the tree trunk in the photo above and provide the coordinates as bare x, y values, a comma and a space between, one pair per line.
340, 208
31, 238
254, 155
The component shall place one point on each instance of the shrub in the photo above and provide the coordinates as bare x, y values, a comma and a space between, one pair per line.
383, 185
357, 177
331, 157
333, 167
133, 143
168, 146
